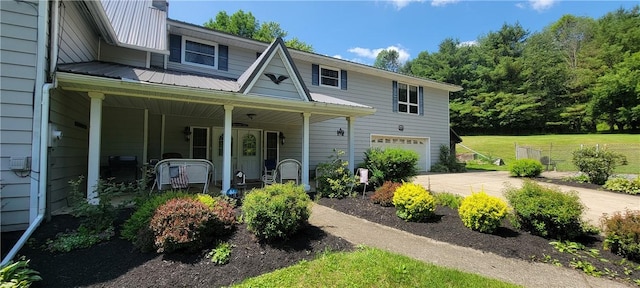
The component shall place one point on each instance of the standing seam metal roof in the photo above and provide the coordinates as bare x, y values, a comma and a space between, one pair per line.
138, 23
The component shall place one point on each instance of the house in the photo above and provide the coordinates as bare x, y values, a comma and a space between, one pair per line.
85, 81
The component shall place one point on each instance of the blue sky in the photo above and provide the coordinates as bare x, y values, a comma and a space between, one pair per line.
358, 30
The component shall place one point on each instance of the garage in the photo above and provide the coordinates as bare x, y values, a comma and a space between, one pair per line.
418, 144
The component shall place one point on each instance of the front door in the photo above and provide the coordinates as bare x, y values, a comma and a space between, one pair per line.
246, 154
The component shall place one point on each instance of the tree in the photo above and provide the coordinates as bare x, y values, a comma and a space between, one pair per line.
387, 59
245, 25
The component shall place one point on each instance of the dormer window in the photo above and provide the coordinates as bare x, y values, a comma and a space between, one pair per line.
198, 52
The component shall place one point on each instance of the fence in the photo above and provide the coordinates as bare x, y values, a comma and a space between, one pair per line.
559, 157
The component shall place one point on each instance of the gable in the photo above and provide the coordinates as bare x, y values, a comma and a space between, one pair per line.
283, 87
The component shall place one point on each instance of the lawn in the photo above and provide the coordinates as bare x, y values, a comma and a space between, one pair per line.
369, 267
557, 147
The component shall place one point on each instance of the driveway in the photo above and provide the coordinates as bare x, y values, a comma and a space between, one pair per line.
494, 182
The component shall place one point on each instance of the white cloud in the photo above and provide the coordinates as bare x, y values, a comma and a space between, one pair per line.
520, 5
540, 5
439, 3
468, 43
403, 55
399, 4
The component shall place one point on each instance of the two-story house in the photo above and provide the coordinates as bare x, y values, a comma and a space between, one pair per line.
86, 80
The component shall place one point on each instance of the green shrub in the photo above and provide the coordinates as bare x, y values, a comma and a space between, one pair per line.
206, 199
18, 274
78, 239
447, 162
482, 212
447, 199
546, 211
413, 202
99, 217
391, 164
384, 194
624, 185
182, 223
136, 228
598, 164
622, 233
276, 211
221, 254
526, 168
334, 178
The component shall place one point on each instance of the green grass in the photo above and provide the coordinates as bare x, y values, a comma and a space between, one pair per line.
559, 147
368, 267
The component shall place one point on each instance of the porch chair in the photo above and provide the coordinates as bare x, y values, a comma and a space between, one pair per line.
288, 169
269, 171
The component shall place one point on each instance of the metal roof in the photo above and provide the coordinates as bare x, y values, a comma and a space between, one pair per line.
138, 23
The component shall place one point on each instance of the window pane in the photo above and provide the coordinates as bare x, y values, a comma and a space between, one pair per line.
329, 81
329, 73
402, 108
199, 58
413, 94
413, 109
199, 47
402, 92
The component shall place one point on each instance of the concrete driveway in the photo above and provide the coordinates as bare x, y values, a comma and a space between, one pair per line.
494, 183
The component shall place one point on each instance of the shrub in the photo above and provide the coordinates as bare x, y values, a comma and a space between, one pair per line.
384, 194
624, 185
276, 211
622, 233
447, 199
206, 199
598, 164
413, 202
99, 217
391, 164
482, 212
334, 178
182, 223
545, 211
225, 214
447, 162
221, 254
525, 168
18, 274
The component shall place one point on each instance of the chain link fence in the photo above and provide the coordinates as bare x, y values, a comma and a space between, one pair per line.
558, 157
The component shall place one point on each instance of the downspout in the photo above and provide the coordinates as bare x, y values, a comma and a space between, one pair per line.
42, 97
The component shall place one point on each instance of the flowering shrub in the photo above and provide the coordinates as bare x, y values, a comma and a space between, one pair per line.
622, 233
482, 212
276, 211
384, 194
413, 202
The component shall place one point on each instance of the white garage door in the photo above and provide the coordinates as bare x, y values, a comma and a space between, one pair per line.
418, 144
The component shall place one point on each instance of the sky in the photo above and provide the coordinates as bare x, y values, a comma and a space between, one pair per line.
358, 30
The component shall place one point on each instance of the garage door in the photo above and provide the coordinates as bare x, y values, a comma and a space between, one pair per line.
418, 144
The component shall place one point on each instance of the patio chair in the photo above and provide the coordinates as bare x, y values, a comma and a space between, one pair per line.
269, 171
287, 170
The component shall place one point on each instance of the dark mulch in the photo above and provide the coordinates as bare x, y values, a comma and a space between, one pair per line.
117, 263
446, 226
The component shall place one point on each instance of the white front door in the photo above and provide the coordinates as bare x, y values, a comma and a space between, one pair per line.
246, 151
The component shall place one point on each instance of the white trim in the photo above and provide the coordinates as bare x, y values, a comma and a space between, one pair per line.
183, 58
305, 151
95, 133
339, 78
408, 102
208, 146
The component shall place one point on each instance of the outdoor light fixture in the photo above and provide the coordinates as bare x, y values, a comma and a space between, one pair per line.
251, 115
281, 136
187, 133
340, 132
401, 127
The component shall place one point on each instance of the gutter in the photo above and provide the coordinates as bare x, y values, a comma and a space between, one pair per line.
37, 196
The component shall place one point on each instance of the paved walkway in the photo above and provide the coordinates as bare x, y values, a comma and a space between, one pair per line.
360, 231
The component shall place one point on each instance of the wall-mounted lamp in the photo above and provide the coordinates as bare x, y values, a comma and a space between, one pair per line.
281, 136
187, 133
251, 115
401, 127
340, 132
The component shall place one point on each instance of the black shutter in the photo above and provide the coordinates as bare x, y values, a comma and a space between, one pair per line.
315, 74
343, 79
223, 58
395, 96
175, 48
421, 100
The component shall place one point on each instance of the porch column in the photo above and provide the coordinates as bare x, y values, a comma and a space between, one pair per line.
226, 149
305, 150
95, 129
351, 143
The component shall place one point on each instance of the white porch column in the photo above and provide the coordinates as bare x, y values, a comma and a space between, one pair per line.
351, 143
95, 129
305, 150
226, 149
145, 137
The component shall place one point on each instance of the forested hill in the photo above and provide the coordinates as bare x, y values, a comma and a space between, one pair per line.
575, 74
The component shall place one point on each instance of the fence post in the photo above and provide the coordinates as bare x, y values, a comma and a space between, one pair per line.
549, 160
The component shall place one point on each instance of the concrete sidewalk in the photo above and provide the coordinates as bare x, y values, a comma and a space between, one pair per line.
494, 183
360, 231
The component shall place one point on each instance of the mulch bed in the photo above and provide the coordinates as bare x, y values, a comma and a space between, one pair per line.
116, 263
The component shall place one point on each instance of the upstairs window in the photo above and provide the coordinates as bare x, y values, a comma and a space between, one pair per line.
407, 98
199, 53
328, 77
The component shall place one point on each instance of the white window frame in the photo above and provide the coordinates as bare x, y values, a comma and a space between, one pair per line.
329, 68
408, 102
200, 41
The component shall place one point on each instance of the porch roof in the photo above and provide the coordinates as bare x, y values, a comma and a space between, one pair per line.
123, 80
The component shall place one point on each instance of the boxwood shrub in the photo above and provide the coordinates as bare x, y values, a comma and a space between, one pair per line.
482, 212
276, 211
545, 211
526, 168
413, 202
